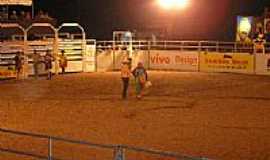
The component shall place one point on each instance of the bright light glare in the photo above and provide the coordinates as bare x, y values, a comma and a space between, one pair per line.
170, 4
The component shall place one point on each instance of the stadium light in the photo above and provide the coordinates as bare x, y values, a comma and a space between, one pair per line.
173, 4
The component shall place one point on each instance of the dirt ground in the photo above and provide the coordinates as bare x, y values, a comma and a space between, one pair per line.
219, 116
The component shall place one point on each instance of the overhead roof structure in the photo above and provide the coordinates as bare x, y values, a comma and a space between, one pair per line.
16, 2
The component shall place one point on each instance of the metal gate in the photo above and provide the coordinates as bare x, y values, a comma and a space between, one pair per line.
10, 45
40, 41
74, 47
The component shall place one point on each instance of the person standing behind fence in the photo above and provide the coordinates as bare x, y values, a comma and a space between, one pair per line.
48, 64
141, 77
18, 64
125, 75
36, 61
63, 62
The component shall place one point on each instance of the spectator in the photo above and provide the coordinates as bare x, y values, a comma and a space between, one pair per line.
267, 31
41, 15
18, 64
4, 14
267, 37
47, 17
63, 62
36, 61
28, 16
259, 42
48, 64
14, 16
22, 15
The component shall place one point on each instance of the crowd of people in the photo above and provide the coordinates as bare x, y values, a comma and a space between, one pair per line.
25, 17
38, 60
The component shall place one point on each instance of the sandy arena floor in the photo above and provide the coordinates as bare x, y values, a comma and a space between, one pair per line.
220, 116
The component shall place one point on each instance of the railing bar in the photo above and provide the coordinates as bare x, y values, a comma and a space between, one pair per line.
159, 153
27, 154
57, 139
89, 144
23, 153
84, 143
24, 133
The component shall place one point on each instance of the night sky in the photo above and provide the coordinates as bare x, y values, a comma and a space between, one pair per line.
203, 20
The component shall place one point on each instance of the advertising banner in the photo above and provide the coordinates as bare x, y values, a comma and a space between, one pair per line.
16, 2
174, 60
140, 56
244, 29
231, 62
6, 72
263, 64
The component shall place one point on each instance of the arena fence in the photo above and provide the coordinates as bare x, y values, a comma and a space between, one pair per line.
119, 152
198, 56
90, 55
47, 38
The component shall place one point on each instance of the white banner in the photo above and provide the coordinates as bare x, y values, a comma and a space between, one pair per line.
263, 64
16, 2
174, 60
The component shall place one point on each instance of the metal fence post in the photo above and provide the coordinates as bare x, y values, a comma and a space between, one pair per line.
217, 46
50, 153
113, 58
96, 57
235, 47
200, 47
148, 54
181, 46
119, 153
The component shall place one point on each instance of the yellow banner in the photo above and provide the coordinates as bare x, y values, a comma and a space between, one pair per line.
7, 73
231, 62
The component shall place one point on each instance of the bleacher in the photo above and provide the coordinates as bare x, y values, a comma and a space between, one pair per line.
25, 19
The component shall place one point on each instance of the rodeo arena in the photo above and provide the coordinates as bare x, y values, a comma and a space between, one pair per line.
204, 99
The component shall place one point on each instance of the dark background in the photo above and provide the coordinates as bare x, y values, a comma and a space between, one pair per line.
203, 20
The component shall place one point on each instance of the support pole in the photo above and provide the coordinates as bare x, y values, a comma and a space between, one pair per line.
33, 9
119, 153
50, 154
7, 12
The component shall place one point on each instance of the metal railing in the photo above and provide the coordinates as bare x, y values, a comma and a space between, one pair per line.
118, 150
214, 46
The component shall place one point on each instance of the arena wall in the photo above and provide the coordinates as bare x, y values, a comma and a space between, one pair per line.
262, 64
103, 60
